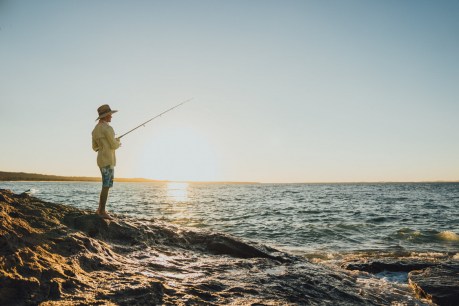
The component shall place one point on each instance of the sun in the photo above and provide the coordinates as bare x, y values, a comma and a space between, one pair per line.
179, 154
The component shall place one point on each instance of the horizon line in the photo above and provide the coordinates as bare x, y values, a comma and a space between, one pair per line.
25, 176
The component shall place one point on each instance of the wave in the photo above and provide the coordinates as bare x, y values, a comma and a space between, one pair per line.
433, 237
448, 235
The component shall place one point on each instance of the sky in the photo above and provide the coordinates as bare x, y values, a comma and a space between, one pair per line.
283, 91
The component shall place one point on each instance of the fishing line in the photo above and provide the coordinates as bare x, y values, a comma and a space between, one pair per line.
143, 124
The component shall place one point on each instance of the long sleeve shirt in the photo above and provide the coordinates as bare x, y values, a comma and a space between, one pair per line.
105, 144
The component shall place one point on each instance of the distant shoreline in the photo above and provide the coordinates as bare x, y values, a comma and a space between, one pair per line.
36, 177
23, 176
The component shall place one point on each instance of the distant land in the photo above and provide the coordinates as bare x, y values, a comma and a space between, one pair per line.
22, 176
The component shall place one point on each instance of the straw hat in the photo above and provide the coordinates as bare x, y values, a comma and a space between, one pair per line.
104, 111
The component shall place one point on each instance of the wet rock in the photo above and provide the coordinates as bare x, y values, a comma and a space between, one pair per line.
388, 264
439, 284
220, 244
138, 235
436, 280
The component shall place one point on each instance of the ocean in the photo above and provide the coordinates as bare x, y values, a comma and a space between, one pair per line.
314, 220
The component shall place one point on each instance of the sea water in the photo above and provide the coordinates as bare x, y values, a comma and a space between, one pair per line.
310, 219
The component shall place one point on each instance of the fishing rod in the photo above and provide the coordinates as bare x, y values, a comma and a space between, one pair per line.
143, 124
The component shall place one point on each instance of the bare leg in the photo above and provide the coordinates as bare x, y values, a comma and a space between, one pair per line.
102, 202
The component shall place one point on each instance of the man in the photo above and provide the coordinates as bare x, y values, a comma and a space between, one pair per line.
105, 144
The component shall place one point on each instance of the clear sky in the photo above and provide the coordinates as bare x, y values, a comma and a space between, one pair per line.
284, 91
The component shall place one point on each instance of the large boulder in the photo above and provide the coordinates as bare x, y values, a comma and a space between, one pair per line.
440, 284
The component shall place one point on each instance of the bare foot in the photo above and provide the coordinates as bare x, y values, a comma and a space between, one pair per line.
105, 216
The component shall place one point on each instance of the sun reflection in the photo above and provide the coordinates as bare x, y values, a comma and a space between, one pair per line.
177, 191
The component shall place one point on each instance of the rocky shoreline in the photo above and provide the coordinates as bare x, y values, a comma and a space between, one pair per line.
434, 280
53, 254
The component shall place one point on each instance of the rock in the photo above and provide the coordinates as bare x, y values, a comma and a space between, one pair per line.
215, 243
439, 284
151, 294
91, 224
5, 198
434, 280
55, 289
388, 264
42, 259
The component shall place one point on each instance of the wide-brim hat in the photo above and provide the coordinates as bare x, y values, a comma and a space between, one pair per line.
104, 111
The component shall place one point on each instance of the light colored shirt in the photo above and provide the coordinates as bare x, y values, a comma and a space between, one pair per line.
105, 144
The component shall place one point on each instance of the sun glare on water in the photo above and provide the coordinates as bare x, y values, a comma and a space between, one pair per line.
177, 191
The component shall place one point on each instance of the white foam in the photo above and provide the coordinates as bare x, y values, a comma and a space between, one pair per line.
31, 191
396, 277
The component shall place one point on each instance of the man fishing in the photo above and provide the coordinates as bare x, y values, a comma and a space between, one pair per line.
105, 144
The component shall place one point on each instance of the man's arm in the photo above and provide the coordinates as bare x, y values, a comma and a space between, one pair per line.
110, 136
95, 145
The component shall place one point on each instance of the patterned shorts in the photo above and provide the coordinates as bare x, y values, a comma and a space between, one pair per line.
107, 176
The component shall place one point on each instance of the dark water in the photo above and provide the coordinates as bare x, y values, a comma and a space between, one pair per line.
322, 219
